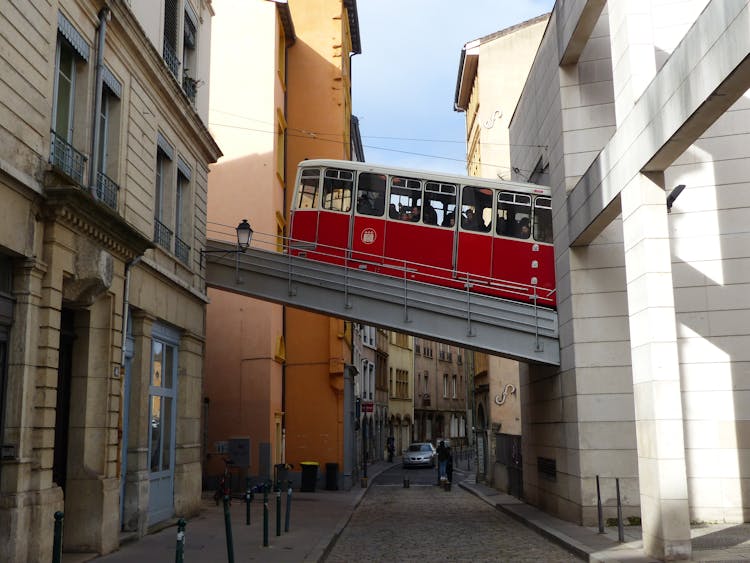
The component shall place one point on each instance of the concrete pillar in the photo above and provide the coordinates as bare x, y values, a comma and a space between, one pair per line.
656, 374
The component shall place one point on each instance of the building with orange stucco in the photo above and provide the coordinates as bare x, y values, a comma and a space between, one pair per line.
242, 401
318, 348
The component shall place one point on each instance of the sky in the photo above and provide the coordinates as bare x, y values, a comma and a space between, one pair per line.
404, 81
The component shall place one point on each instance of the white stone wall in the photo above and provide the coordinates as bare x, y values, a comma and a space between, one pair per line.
591, 396
711, 266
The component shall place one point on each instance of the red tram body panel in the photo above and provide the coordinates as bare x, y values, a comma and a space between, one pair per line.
490, 237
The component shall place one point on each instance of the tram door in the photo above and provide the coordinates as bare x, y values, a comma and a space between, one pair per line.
368, 234
474, 253
335, 217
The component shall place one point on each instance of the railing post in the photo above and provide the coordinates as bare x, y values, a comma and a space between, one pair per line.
278, 508
620, 530
406, 294
468, 305
288, 515
57, 540
599, 514
179, 556
265, 515
248, 499
228, 530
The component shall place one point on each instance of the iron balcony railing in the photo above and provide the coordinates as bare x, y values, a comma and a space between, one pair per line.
67, 159
170, 57
181, 250
190, 87
106, 190
162, 235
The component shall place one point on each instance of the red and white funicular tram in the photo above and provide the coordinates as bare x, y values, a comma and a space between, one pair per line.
495, 236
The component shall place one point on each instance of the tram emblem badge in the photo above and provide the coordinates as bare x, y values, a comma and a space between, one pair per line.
368, 236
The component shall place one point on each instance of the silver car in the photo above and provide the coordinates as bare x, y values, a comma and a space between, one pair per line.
419, 454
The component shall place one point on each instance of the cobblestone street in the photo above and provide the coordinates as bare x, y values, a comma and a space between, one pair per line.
424, 522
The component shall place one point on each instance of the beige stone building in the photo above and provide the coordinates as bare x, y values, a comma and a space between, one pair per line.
440, 393
491, 74
104, 156
627, 104
400, 390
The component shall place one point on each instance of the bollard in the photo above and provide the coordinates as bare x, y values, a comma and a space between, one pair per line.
228, 530
248, 498
406, 482
599, 514
620, 531
278, 509
288, 514
265, 515
57, 540
179, 555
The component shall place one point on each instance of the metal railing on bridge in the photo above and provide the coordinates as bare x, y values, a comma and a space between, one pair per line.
336, 284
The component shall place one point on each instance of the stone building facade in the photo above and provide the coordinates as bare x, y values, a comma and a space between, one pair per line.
628, 104
104, 156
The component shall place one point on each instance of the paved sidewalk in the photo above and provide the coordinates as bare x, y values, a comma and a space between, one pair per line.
724, 542
317, 518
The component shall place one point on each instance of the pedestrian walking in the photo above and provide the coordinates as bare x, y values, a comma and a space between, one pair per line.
443, 453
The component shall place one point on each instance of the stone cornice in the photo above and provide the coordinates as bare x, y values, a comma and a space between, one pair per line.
75, 208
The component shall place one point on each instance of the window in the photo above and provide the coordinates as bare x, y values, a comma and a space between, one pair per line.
189, 58
405, 203
169, 52
543, 219
162, 393
513, 215
162, 233
182, 212
307, 195
476, 209
337, 189
280, 146
453, 387
371, 194
71, 54
445, 385
107, 150
440, 204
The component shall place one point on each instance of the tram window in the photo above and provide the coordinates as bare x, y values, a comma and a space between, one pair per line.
337, 189
405, 202
543, 219
513, 215
371, 194
307, 195
476, 209
439, 204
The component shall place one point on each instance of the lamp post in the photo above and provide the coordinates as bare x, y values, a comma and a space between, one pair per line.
244, 236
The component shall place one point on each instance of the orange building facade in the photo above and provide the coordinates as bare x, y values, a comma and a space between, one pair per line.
318, 348
243, 411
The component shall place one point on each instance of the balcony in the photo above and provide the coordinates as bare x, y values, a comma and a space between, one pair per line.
190, 87
181, 250
170, 58
66, 159
106, 190
162, 235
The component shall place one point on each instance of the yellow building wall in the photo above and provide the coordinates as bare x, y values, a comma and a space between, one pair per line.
317, 346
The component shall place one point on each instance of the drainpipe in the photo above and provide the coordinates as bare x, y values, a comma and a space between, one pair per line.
104, 17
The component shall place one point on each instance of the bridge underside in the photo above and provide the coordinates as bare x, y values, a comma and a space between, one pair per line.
497, 326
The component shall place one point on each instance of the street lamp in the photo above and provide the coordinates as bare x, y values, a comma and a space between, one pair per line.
244, 236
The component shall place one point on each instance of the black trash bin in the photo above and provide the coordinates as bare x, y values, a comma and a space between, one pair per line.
332, 476
309, 476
